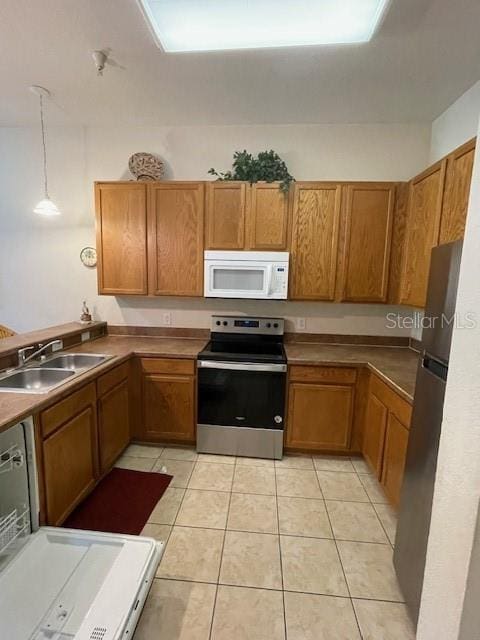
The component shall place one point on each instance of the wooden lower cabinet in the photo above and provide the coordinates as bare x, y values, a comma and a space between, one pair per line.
385, 437
374, 438
70, 456
395, 453
320, 409
113, 424
168, 393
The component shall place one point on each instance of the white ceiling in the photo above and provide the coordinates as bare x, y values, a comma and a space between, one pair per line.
425, 55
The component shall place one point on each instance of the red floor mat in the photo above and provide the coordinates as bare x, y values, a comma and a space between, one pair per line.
121, 503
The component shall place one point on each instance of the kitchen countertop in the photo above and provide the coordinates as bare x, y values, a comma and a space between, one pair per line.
16, 406
395, 365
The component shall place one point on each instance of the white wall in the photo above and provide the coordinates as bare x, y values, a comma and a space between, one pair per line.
457, 483
456, 125
41, 278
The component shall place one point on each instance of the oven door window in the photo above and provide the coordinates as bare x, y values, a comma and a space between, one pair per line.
241, 398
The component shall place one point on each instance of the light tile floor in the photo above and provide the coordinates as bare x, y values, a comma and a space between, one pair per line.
297, 549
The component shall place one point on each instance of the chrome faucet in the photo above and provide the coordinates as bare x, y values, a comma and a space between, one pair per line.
22, 353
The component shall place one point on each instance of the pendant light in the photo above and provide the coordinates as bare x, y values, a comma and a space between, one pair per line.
45, 207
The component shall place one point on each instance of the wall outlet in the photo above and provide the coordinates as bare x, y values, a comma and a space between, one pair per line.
85, 336
301, 323
167, 319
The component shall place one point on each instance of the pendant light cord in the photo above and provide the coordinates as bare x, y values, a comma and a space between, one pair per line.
44, 148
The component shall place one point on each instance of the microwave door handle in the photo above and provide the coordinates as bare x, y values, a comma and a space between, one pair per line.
269, 279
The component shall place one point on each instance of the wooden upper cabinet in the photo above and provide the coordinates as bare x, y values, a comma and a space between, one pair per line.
369, 212
268, 218
423, 226
175, 238
457, 191
226, 213
121, 223
315, 229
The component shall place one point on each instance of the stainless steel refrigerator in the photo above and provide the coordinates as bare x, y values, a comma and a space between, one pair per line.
421, 463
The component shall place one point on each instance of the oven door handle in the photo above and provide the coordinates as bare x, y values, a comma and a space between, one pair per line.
242, 366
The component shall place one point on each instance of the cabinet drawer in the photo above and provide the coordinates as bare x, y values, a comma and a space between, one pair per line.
112, 378
395, 404
333, 375
168, 365
59, 413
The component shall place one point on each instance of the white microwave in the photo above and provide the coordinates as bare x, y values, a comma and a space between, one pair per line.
261, 275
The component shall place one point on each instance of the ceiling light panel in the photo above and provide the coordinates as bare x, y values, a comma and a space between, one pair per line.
216, 25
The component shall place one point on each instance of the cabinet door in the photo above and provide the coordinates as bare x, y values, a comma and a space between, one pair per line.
457, 191
374, 436
319, 416
121, 222
113, 424
423, 226
368, 237
169, 408
175, 238
69, 465
226, 212
315, 226
396, 442
268, 218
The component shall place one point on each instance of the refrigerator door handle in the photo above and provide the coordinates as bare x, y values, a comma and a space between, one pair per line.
434, 366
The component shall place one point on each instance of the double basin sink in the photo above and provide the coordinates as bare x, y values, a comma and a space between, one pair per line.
44, 376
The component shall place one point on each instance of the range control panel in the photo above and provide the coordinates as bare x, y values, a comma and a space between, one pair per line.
247, 324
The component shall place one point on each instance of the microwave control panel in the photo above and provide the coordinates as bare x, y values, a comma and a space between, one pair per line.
279, 278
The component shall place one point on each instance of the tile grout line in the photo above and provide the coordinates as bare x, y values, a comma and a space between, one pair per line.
373, 507
341, 564
383, 526
280, 553
222, 551
308, 593
269, 533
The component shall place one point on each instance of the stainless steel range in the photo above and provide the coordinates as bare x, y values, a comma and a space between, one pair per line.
242, 375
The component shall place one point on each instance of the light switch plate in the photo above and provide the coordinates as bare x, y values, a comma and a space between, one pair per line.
57, 347
85, 336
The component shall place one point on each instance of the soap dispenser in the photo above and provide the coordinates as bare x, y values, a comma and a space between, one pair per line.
86, 315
